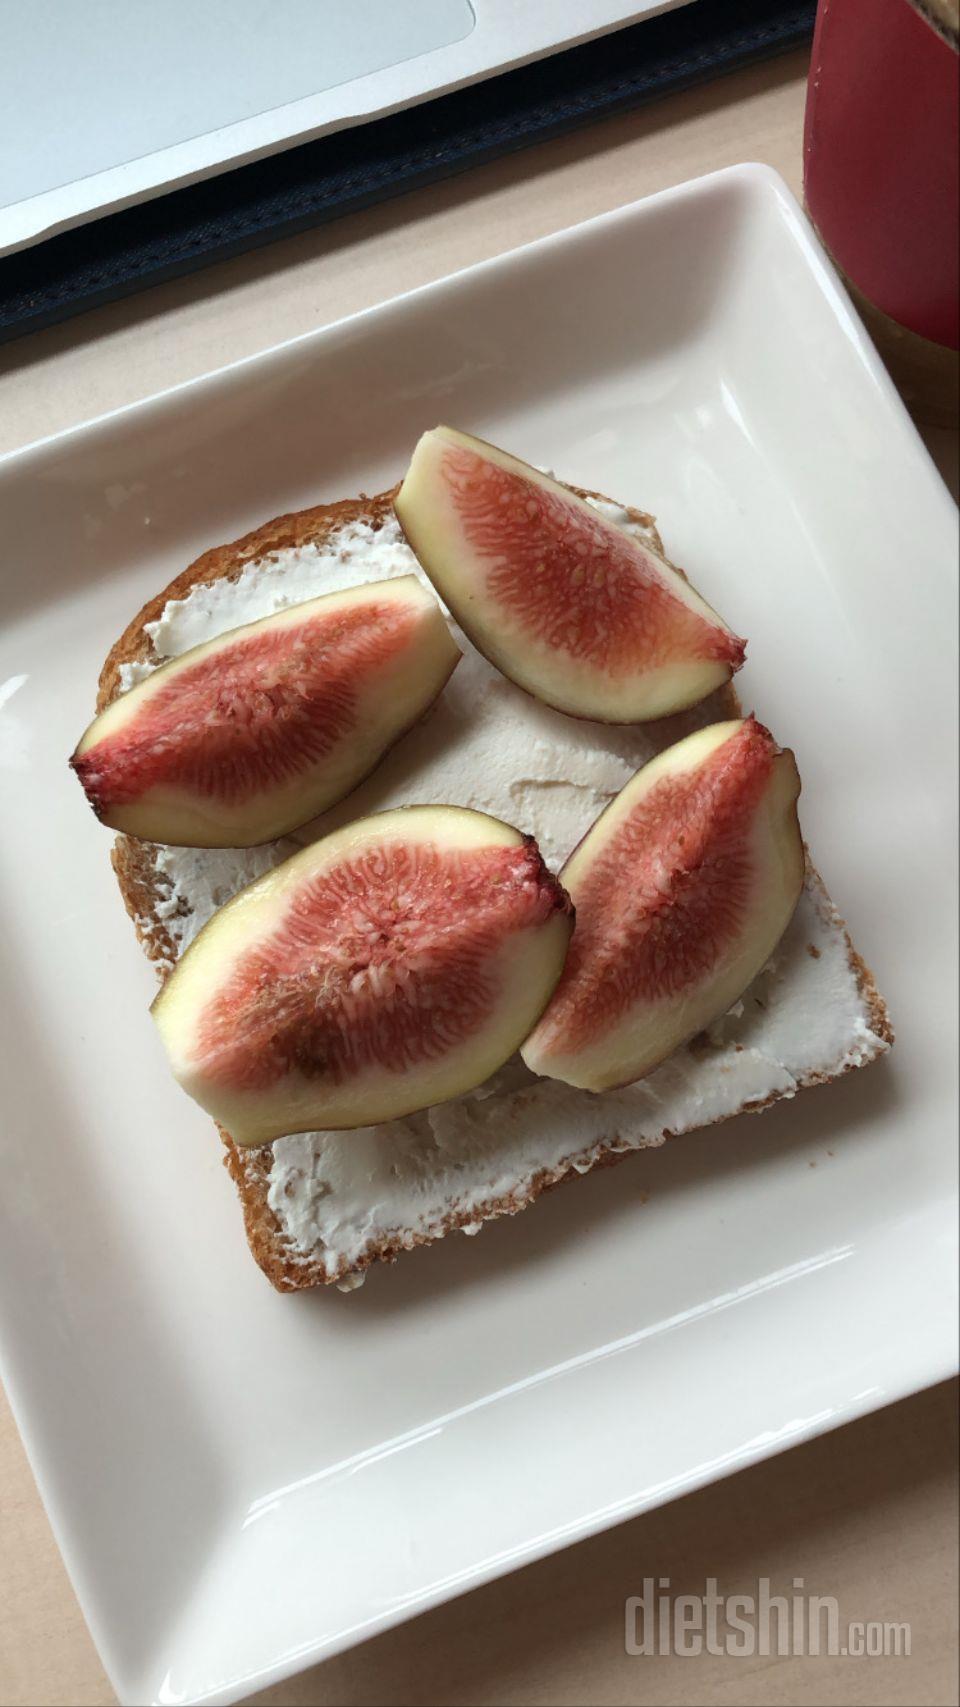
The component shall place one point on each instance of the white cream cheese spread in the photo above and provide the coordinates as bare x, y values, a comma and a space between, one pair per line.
486, 744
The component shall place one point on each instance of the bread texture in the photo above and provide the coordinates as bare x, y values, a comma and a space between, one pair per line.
137, 865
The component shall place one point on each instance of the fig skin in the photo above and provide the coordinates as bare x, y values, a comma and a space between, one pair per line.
253, 734
395, 964
648, 644
684, 885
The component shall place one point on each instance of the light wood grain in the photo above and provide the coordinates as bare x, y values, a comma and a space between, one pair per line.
868, 1513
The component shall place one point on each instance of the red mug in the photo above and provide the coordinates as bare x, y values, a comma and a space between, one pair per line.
881, 151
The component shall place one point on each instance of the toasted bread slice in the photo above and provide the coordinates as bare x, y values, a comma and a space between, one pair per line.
320, 1208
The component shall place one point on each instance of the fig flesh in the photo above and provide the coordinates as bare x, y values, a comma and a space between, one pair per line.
394, 964
244, 738
683, 888
566, 604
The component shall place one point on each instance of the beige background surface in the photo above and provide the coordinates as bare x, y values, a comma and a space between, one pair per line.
867, 1514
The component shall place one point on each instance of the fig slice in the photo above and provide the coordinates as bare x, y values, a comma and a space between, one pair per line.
394, 964
569, 606
683, 888
252, 734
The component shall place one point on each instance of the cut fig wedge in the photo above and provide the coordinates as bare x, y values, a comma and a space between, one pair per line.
565, 603
394, 964
245, 738
683, 888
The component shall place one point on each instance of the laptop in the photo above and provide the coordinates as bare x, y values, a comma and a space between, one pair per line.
106, 103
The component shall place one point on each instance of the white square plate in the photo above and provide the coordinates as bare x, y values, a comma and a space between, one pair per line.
243, 1482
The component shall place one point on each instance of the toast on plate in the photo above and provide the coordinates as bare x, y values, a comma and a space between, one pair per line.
321, 1207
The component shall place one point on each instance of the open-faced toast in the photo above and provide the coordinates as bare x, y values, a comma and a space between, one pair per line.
322, 1207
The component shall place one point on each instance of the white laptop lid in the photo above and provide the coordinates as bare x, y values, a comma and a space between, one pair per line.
107, 102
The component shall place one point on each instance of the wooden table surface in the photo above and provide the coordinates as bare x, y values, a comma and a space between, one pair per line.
867, 1514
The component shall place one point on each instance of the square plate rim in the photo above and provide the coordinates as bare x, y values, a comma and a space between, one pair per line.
756, 178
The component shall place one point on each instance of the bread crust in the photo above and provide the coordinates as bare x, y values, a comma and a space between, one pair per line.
226, 562
141, 886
